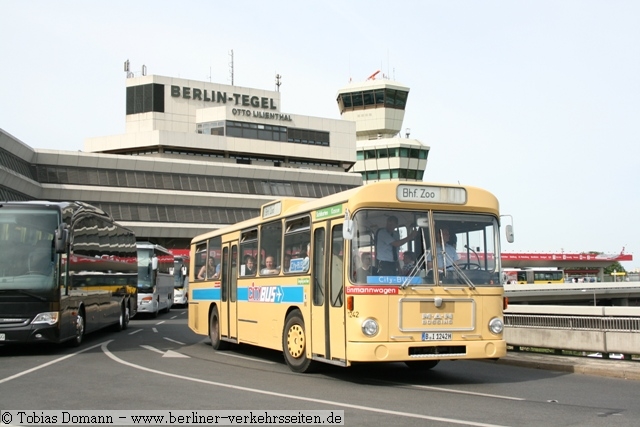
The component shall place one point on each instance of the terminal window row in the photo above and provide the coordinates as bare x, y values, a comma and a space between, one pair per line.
240, 159
15, 163
388, 152
392, 174
376, 98
176, 213
264, 132
48, 174
10, 194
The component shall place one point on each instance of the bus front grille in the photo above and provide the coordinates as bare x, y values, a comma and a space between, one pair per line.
435, 351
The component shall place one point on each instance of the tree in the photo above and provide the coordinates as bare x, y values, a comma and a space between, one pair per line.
614, 267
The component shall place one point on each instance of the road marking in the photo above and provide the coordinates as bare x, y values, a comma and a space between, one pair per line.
171, 353
154, 330
168, 353
161, 322
177, 342
174, 317
135, 332
148, 347
330, 403
44, 365
450, 390
245, 357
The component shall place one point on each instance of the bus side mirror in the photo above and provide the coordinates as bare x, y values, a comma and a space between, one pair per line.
508, 231
61, 238
154, 263
348, 229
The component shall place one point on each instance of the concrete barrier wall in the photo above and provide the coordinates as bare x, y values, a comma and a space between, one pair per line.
561, 339
564, 338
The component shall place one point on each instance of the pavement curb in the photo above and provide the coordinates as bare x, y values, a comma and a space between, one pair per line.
628, 370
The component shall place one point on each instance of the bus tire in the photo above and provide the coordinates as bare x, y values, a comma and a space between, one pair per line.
422, 365
214, 331
79, 329
122, 319
294, 343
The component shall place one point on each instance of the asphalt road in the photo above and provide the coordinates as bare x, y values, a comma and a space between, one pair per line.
159, 364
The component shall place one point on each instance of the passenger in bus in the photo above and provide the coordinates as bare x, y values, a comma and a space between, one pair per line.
269, 266
442, 235
287, 262
408, 263
210, 270
387, 242
365, 270
249, 266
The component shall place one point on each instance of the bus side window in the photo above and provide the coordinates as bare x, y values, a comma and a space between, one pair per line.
271, 243
200, 259
297, 247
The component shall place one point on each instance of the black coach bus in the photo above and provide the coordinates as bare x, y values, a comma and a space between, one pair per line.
66, 269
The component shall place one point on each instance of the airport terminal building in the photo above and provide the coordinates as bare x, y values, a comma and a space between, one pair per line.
195, 156
199, 155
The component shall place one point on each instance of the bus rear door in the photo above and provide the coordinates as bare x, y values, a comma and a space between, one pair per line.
229, 292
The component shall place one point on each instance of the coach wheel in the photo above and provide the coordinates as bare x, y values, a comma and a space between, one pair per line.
214, 331
422, 365
122, 319
79, 329
294, 343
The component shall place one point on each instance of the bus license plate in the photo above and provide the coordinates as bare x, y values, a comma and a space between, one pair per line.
436, 336
2, 337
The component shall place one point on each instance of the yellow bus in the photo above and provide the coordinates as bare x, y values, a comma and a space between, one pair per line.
534, 275
290, 280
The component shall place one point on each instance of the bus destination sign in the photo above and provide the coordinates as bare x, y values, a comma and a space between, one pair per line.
431, 194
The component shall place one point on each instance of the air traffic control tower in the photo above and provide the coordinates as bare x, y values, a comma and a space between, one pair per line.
377, 107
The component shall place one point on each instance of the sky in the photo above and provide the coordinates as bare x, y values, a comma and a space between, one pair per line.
536, 101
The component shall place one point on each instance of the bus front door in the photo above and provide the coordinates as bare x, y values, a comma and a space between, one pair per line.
327, 309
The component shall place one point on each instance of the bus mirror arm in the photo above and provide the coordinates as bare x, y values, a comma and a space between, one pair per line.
61, 238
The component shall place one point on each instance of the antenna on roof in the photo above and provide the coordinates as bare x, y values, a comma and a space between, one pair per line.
278, 82
231, 66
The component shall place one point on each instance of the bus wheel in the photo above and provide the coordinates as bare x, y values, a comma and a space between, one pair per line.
79, 329
214, 331
294, 343
422, 365
127, 317
122, 319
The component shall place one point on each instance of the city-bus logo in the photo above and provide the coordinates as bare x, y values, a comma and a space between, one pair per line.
265, 293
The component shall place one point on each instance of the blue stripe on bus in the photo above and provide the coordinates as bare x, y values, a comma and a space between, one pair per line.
274, 294
206, 294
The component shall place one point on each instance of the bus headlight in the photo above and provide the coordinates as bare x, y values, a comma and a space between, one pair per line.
50, 318
370, 327
496, 325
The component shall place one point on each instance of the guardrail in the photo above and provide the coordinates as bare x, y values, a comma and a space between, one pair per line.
577, 328
619, 293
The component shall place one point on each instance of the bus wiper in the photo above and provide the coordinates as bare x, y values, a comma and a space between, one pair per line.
23, 292
419, 263
458, 270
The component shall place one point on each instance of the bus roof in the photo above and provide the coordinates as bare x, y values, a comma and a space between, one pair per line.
377, 194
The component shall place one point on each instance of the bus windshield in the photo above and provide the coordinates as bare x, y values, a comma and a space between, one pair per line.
145, 270
26, 244
425, 248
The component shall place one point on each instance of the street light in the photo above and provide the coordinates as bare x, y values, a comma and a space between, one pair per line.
594, 295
